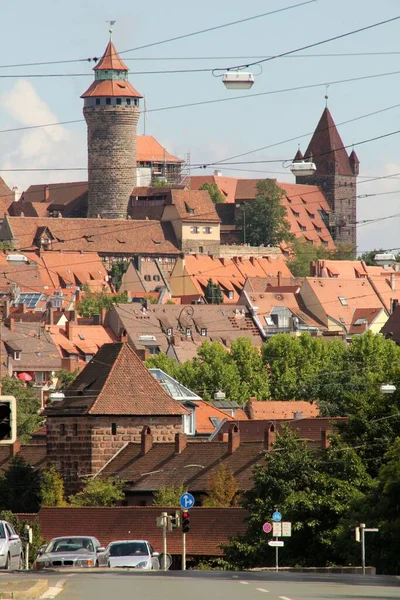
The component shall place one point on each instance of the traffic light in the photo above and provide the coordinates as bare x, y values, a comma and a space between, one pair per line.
185, 521
8, 420
173, 521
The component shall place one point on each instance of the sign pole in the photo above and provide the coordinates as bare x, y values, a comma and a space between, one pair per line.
362, 531
165, 524
27, 556
277, 557
183, 551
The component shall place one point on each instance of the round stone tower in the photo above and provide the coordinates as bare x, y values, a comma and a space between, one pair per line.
111, 110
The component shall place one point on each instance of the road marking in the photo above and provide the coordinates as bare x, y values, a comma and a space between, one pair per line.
284, 598
262, 590
52, 592
244, 582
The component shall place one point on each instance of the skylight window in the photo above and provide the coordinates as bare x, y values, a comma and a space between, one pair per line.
343, 301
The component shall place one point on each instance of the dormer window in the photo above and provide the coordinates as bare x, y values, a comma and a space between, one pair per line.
188, 332
203, 331
169, 330
230, 295
343, 301
17, 355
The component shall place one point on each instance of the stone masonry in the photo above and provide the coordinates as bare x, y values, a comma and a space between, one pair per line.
111, 159
81, 446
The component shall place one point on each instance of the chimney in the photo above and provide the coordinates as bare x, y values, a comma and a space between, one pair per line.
22, 308
224, 436
103, 315
11, 325
279, 278
146, 442
233, 439
269, 438
393, 281
69, 326
50, 315
78, 296
46, 193
15, 192
180, 442
6, 308
72, 315
15, 448
395, 304
123, 336
96, 319
324, 439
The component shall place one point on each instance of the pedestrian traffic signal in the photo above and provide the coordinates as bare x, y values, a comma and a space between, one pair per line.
185, 521
8, 420
173, 521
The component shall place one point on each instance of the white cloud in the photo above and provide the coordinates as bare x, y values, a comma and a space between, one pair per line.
42, 148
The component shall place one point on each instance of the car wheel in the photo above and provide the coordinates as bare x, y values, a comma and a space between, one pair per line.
7, 566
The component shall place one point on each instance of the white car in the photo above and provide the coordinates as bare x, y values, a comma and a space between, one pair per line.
134, 554
11, 551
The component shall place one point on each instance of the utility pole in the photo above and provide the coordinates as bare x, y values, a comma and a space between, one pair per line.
164, 517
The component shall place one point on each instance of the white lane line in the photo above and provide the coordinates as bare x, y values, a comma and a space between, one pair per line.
244, 582
52, 592
262, 590
284, 598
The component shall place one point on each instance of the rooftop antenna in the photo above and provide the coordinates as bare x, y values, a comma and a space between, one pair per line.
326, 95
111, 24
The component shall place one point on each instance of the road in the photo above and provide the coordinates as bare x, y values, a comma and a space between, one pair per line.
224, 586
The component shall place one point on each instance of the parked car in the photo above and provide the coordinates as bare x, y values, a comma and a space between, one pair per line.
72, 551
11, 552
134, 554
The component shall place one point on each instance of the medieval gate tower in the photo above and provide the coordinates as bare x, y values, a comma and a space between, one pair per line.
111, 110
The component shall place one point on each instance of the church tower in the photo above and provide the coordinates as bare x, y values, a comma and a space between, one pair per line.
111, 111
336, 175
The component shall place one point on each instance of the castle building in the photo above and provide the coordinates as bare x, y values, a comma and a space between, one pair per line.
111, 110
336, 175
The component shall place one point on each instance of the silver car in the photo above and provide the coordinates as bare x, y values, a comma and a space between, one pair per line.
73, 551
134, 554
11, 552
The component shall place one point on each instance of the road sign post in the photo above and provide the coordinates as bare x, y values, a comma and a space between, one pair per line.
186, 501
362, 531
164, 516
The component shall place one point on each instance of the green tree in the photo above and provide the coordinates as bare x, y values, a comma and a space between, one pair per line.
222, 488
93, 302
65, 378
169, 496
19, 526
52, 488
215, 193
263, 221
160, 182
28, 407
161, 361
99, 492
117, 271
312, 490
302, 253
20, 487
213, 294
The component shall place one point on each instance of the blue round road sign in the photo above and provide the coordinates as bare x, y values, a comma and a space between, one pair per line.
186, 501
277, 517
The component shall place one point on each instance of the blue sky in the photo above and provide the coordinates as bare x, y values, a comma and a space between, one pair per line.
58, 30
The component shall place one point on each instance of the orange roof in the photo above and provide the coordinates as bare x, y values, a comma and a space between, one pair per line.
223, 271
227, 185
111, 88
110, 61
204, 413
148, 149
339, 298
280, 409
84, 339
274, 297
268, 266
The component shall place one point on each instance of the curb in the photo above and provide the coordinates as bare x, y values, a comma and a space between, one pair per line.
35, 591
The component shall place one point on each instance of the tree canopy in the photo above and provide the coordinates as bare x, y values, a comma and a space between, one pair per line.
28, 406
213, 294
263, 220
215, 193
99, 492
93, 302
169, 496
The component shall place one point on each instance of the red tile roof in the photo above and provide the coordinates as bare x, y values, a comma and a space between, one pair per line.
111, 88
197, 202
148, 149
280, 409
110, 61
204, 413
209, 527
116, 382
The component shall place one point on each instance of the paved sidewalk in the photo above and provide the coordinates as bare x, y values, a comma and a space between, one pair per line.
28, 589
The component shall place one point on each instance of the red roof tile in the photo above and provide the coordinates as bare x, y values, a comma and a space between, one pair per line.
148, 149
111, 88
280, 409
110, 61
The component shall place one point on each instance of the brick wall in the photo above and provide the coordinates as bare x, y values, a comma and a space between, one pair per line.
111, 159
81, 446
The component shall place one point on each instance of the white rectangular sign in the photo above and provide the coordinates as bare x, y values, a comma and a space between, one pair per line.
276, 529
276, 544
286, 529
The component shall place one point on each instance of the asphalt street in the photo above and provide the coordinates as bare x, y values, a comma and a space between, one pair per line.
222, 586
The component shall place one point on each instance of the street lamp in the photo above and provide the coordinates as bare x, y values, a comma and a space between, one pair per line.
219, 395
388, 388
238, 80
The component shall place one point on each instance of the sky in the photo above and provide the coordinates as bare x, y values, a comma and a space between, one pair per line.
55, 30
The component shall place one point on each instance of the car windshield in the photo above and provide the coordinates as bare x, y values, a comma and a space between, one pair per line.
80, 545
129, 549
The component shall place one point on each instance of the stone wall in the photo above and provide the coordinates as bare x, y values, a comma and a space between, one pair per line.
80, 446
195, 247
230, 251
112, 165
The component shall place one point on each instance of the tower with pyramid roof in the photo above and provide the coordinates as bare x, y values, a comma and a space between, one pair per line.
336, 175
111, 110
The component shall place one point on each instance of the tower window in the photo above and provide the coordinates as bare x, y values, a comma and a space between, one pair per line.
97, 101
118, 100
113, 429
108, 100
128, 101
